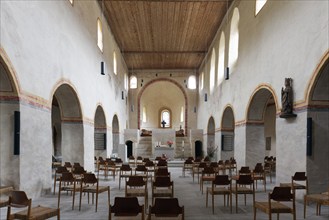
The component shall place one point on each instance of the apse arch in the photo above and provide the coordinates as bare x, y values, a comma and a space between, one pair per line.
162, 80
66, 122
261, 122
317, 128
227, 133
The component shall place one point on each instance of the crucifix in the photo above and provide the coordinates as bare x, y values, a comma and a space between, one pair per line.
163, 123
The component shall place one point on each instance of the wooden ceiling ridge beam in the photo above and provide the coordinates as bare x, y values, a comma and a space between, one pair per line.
166, 0
171, 52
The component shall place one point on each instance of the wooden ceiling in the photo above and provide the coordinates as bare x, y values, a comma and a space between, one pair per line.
164, 34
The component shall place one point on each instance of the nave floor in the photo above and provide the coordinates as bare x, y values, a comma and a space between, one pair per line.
188, 194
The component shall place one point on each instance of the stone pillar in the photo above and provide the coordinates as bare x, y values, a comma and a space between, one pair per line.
255, 145
89, 147
240, 145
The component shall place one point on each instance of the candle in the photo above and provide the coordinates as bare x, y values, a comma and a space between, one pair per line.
183, 143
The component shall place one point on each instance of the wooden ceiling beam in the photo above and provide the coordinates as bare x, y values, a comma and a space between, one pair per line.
166, 0
171, 52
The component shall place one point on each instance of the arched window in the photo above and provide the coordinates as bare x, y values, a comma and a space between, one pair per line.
144, 114
99, 34
165, 117
182, 114
71, 1
234, 39
221, 56
126, 81
212, 70
191, 84
133, 82
201, 80
259, 5
115, 68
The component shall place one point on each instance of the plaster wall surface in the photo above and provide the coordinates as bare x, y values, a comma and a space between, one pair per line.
88, 147
72, 145
224, 155
255, 145
35, 151
131, 135
240, 145
269, 129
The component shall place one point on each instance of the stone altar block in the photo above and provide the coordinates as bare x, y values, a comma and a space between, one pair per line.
168, 151
161, 136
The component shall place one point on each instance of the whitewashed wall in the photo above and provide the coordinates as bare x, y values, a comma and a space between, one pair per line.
49, 43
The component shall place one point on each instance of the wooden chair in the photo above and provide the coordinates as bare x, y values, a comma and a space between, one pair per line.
259, 174
162, 187
161, 172
221, 185
141, 170
319, 199
150, 166
125, 172
244, 185
207, 175
161, 164
126, 207
18, 199
90, 184
58, 174
275, 205
166, 207
188, 166
69, 184
136, 186
296, 182
197, 169
132, 161
5, 190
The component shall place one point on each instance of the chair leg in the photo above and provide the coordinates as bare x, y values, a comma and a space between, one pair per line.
96, 200
213, 204
236, 202
207, 199
255, 210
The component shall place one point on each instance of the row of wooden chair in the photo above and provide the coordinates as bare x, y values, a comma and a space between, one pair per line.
163, 207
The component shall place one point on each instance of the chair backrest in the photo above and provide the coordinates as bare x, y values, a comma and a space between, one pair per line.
162, 181
202, 165
221, 180
214, 164
166, 207
162, 172
67, 164
79, 170
149, 163
244, 170
299, 176
139, 158
281, 194
125, 167
141, 168
18, 199
162, 163
136, 181
89, 178
208, 170
258, 168
67, 177
126, 206
188, 161
245, 180
61, 169
146, 159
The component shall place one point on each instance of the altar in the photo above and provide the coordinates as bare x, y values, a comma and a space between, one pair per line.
168, 151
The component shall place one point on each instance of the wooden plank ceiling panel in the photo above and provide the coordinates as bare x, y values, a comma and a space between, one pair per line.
159, 34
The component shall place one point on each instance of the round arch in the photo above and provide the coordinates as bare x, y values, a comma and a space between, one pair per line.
317, 128
100, 132
10, 108
227, 133
211, 136
115, 134
261, 123
163, 80
66, 122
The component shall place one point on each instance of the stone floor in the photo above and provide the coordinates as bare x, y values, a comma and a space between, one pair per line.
188, 194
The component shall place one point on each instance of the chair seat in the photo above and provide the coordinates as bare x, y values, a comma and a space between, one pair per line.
242, 190
93, 188
318, 198
277, 207
162, 192
38, 213
296, 185
3, 203
136, 192
208, 178
218, 191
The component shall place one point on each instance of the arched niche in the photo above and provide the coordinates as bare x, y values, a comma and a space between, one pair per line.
115, 134
9, 104
227, 134
260, 128
67, 127
100, 132
318, 130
